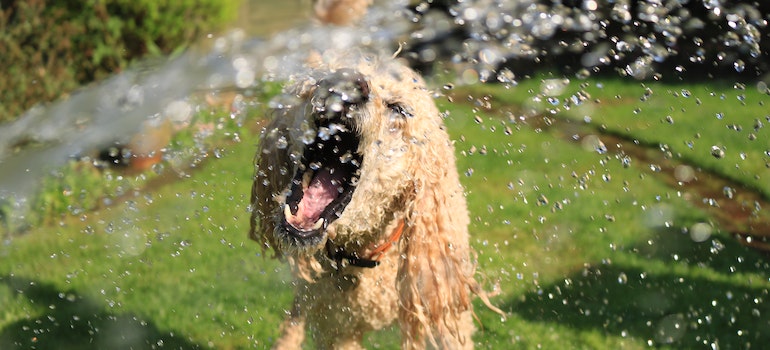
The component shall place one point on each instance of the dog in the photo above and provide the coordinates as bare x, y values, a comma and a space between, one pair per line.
356, 186
340, 12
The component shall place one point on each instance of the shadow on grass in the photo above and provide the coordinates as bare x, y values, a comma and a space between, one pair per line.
71, 321
676, 293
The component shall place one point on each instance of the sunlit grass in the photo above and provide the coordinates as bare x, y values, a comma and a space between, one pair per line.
582, 251
718, 126
176, 260
589, 252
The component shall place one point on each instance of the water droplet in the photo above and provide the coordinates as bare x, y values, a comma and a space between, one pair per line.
554, 87
700, 232
739, 65
281, 143
729, 192
717, 152
506, 76
622, 278
593, 143
625, 161
323, 133
670, 329
308, 137
684, 173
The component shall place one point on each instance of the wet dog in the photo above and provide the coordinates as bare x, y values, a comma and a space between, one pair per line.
356, 186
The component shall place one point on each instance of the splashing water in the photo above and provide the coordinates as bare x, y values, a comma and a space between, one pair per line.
98, 115
483, 39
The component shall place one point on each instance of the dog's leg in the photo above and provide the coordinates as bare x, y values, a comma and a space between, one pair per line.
326, 339
331, 326
334, 316
292, 329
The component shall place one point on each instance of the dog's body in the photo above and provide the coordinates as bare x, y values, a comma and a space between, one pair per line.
356, 186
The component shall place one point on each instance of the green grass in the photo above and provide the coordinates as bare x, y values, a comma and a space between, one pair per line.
585, 253
687, 119
559, 266
171, 265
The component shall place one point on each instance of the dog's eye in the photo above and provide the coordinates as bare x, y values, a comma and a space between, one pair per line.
400, 109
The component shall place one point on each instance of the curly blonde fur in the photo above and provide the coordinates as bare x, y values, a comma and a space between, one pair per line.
408, 176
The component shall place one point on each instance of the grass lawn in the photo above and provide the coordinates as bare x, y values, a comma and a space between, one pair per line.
720, 127
584, 252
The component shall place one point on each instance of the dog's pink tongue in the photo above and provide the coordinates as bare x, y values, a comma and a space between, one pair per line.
321, 191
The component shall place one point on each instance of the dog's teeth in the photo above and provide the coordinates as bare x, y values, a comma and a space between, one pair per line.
346, 157
287, 212
318, 224
306, 177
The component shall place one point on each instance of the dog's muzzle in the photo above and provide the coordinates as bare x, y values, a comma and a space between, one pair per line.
337, 93
327, 174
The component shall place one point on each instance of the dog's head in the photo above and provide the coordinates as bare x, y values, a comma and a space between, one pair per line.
324, 161
340, 154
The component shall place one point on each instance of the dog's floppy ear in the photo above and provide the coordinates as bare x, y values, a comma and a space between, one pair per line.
270, 180
435, 275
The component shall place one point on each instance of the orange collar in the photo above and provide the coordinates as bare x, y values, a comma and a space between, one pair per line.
338, 254
385, 246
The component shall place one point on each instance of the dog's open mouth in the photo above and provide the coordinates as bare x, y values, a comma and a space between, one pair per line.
330, 167
323, 184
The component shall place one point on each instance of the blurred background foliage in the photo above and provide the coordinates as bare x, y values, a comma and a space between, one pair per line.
50, 48
643, 39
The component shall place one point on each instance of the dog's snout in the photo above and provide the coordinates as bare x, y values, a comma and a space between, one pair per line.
339, 90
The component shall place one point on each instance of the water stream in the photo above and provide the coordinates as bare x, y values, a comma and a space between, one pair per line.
45, 137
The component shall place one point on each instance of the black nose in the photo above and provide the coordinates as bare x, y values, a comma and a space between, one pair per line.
336, 93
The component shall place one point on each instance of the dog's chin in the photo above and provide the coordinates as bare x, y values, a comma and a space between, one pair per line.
297, 241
